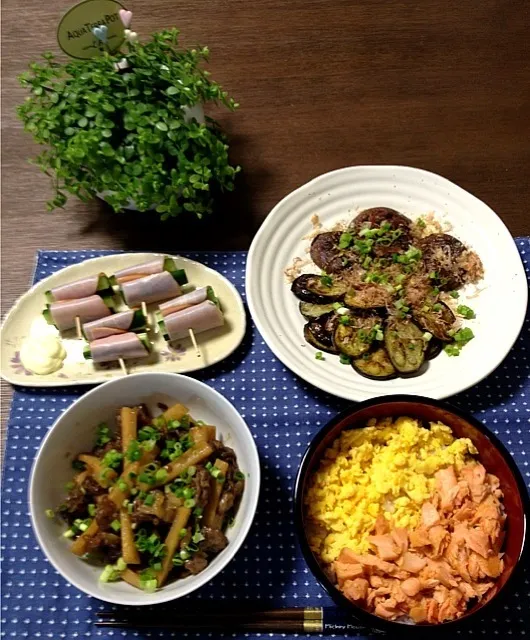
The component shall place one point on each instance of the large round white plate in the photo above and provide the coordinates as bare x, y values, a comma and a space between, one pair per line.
337, 196
215, 345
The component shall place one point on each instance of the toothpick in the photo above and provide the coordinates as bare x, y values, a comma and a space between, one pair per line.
123, 367
148, 320
193, 339
78, 327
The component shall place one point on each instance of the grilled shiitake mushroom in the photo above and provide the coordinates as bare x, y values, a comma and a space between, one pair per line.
326, 254
377, 216
440, 253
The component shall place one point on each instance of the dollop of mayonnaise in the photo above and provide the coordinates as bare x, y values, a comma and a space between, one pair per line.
42, 352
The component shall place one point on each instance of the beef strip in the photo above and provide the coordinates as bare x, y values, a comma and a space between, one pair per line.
92, 488
214, 541
201, 484
74, 506
196, 564
106, 512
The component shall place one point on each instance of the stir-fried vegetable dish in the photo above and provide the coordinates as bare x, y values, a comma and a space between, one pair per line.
152, 501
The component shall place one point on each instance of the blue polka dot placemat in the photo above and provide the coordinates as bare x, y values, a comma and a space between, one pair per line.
283, 413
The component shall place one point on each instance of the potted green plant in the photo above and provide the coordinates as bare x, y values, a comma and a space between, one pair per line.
128, 125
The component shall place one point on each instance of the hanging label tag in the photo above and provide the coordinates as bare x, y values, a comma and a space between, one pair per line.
75, 32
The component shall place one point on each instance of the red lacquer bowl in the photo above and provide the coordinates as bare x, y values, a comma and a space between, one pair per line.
492, 454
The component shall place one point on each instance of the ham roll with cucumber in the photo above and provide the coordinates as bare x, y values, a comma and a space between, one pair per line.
200, 317
153, 288
187, 300
158, 265
131, 320
92, 285
63, 314
126, 346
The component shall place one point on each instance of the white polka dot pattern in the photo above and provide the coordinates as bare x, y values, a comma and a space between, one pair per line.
283, 412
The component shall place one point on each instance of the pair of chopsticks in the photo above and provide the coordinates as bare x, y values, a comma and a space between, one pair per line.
326, 620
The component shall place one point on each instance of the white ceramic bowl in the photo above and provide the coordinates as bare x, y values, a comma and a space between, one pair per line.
74, 432
338, 196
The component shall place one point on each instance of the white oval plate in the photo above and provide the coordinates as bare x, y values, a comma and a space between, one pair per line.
337, 196
215, 345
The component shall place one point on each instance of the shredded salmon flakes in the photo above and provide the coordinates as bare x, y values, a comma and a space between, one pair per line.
431, 573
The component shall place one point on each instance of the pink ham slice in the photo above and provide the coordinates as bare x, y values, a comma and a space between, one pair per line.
113, 325
75, 290
126, 346
65, 312
200, 317
183, 302
146, 268
154, 288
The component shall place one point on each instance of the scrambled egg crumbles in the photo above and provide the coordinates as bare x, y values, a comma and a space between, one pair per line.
385, 468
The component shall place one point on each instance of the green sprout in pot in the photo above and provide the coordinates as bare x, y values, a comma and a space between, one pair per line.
128, 131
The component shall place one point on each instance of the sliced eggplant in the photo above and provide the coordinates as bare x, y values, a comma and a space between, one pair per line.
440, 253
354, 339
317, 336
312, 288
439, 323
312, 311
405, 345
434, 348
374, 218
367, 296
326, 254
375, 365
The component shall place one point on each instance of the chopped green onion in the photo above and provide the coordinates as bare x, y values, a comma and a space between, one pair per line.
178, 562
69, 485
191, 471
326, 280
69, 533
345, 240
149, 586
188, 492
464, 335
91, 510
427, 336
182, 533
454, 294
161, 475
173, 424
189, 504
344, 319
197, 537
344, 359
452, 349
466, 312
184, 554
420, 222
115, 524
319, 355
437, 307
337, 305
102, 435
50, 514
130, 507
122, 485
149, 500
121, 565
197, 512
239, 476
